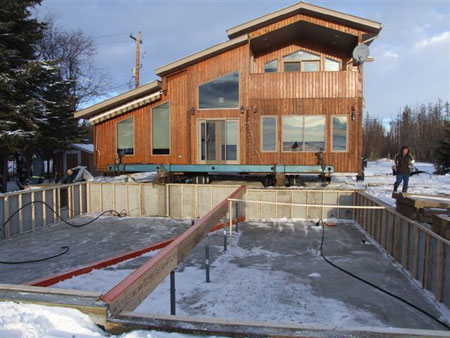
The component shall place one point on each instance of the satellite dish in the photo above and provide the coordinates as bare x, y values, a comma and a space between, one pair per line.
360, 53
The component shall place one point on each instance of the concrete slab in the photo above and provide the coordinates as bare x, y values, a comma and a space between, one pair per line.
274, 273
103, 238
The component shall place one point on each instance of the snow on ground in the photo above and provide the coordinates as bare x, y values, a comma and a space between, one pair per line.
28, 320
379, 181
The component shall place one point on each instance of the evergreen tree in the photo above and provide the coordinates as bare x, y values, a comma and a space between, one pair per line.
442, 153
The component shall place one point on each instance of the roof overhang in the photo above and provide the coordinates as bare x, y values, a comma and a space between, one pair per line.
126, 107
202, 55
303, 30
301, 7
116, 101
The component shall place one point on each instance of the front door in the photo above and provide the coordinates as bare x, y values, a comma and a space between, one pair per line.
218, 141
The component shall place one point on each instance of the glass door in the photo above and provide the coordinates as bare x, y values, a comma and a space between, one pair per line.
218, 141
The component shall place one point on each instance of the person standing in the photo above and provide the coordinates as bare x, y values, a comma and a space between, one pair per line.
403, 163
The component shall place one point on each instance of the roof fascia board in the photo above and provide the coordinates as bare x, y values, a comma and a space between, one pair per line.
202, 55
288, 11
117, 100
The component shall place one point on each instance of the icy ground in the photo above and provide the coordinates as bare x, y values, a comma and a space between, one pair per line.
26, 320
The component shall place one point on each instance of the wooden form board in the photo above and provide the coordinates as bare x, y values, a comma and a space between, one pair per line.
418, 249
131, 291
37, 215
424, 201
86, 302
128, 321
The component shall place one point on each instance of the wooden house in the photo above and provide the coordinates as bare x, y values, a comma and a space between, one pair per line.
282, 96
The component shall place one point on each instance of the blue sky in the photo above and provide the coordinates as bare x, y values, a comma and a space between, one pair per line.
412, 52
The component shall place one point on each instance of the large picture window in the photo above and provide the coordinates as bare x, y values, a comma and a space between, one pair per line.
125, 137
303, 133
269, 133
161, 129
301, 61
340, 128
220, 93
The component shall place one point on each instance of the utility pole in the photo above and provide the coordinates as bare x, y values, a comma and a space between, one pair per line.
136, 72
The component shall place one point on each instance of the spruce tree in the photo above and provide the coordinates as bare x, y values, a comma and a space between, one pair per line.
442, 153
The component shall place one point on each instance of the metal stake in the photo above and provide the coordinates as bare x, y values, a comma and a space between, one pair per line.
225, 234
172, 293
207, 258
237, 216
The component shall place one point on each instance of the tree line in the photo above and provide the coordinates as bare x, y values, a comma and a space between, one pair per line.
45, 74
425, 129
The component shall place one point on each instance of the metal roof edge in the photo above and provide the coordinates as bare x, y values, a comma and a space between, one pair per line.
284, 12
201, 55
115, 101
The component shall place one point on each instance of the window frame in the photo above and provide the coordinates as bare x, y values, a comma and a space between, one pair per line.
262, 134
319, 60
217, 77
346, 133
331, 59
117, 136
264, 66
151, 130
303, 133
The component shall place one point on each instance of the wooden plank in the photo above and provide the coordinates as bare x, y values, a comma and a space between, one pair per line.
20, 213
415, 267
131, 291
426, 262
384, 216
439, 271
6, 216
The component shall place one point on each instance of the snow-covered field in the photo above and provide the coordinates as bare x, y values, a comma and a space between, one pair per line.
26, 320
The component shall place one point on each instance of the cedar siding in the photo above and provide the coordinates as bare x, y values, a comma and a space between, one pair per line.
326, 93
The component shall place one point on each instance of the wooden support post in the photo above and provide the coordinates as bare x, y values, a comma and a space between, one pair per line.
167, 200
415, 266
383, 221
439, 270
398, 240
405, 251
88, 197
426, 262
196, 211
230, 217
33, 212
6, 213
19, 203
44, 209
69, 202
80, 199
182, 201
391, 234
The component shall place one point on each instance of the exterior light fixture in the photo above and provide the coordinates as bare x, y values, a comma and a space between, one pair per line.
192, 111
242, 109
353, 116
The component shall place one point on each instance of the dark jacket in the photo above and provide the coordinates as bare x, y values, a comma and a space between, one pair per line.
403, 164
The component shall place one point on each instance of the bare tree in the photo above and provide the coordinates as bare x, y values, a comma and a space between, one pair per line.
76, 55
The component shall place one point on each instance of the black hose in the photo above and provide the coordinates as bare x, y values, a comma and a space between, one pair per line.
59, 216
65, 250
373, 285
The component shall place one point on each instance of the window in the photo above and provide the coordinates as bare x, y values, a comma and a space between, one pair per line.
220, 93
229, 141
303, 133
292, 133
271, 66
331, 65
269, 133
339, 133
161, 129
314, 133
125, 137
301, 60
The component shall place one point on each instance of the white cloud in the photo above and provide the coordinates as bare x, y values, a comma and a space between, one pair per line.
445, 36
390, 55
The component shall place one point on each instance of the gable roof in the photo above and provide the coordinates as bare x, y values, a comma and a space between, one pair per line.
122, 99
302, 7
203, 54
